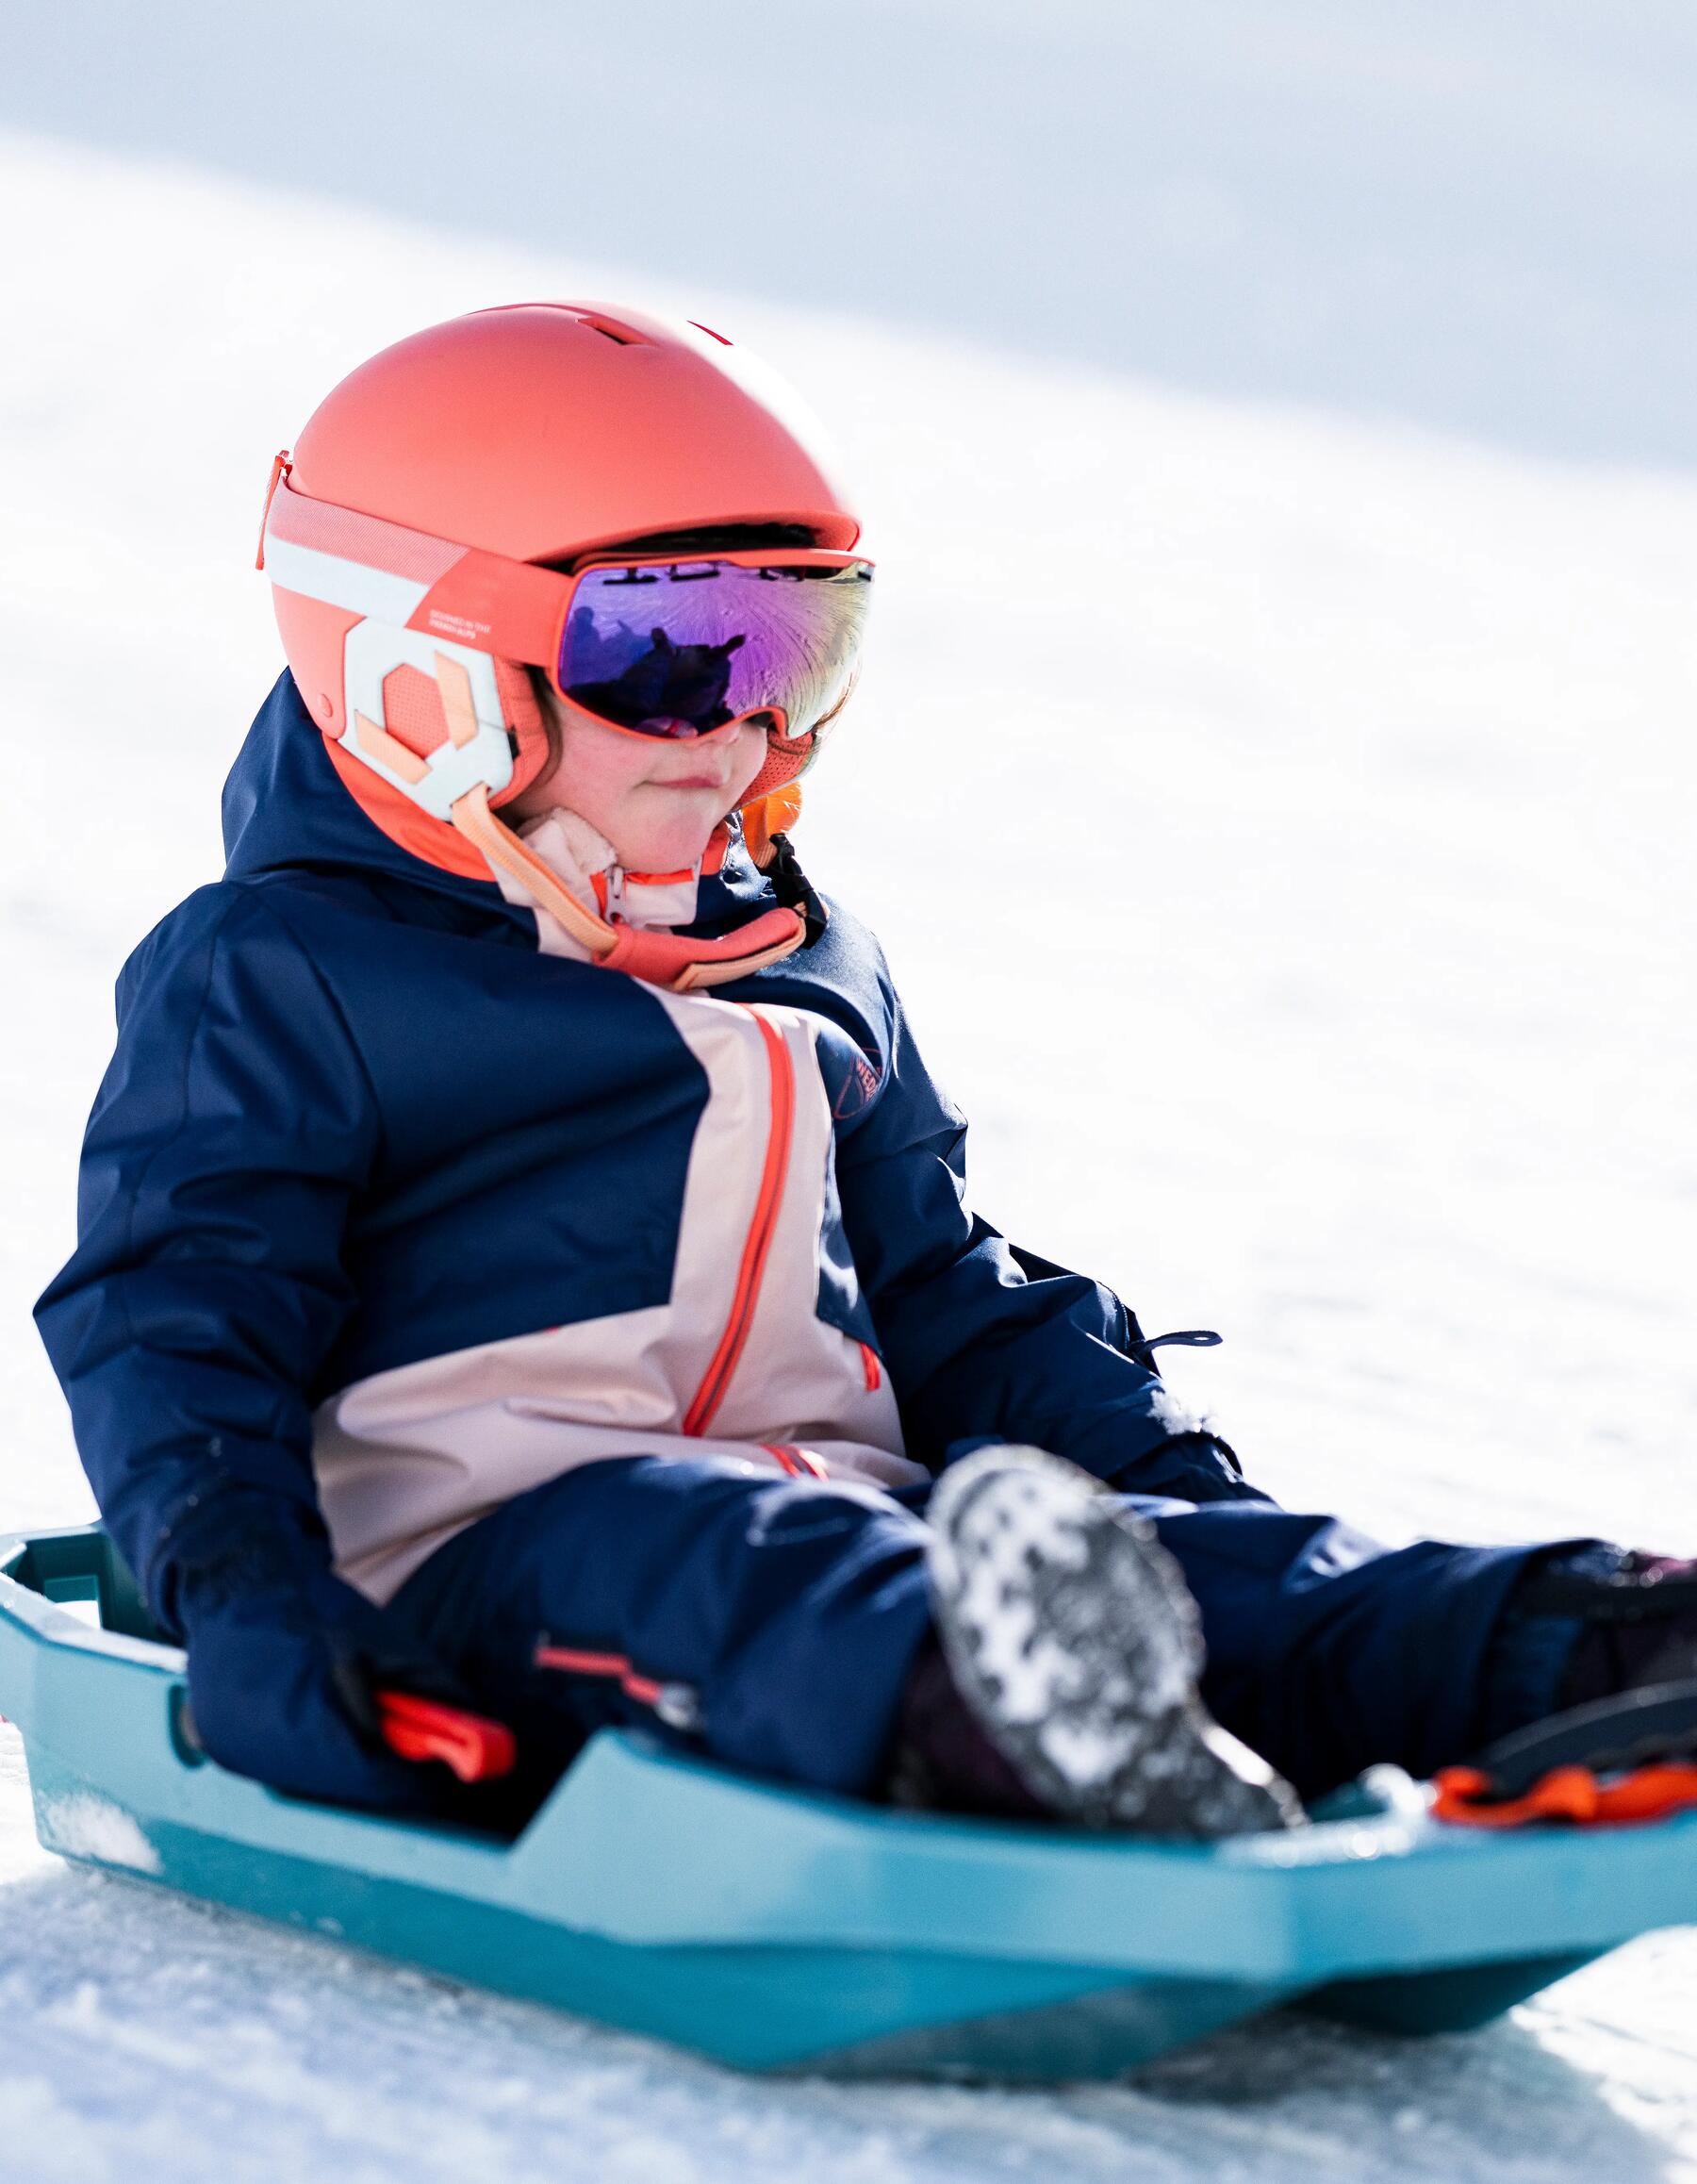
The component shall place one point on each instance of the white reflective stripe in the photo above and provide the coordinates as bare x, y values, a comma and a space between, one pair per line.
345, 583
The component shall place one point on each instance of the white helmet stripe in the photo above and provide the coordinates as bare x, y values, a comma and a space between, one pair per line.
338, 583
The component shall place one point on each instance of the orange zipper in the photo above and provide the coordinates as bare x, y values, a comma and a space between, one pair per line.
758, 1245
799, 1463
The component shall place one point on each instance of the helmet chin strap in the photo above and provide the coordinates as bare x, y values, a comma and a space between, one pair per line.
672, 960
668, 959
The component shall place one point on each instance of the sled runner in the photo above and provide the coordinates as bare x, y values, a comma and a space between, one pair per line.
771, 1929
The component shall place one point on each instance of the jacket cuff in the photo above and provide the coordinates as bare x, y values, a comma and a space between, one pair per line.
1191, 1467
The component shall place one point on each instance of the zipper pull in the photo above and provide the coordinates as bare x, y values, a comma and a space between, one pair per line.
1185, 1338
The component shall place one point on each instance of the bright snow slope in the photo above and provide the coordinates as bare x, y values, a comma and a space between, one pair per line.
1283, 832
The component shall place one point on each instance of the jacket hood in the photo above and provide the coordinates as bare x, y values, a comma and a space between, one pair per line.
286, 809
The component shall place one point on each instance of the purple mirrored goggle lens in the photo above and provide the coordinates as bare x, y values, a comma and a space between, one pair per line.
680, 648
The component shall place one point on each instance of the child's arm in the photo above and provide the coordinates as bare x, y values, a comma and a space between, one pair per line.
974, 1348
192, 1323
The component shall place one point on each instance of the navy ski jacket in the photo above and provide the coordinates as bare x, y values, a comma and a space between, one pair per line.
390, 1212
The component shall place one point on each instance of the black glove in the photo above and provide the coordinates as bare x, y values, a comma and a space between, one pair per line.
285, 1658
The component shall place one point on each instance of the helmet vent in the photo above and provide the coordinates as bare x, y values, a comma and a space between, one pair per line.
626, 337
724, 339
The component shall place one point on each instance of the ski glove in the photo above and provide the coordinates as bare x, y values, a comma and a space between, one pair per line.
284, 1658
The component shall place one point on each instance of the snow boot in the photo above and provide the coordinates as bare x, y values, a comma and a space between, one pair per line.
1062, 1682
1637, 1621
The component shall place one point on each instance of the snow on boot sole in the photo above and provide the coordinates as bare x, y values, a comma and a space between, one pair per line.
1073, 1637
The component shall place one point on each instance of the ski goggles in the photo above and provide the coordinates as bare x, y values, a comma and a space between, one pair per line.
656, 645
671, 648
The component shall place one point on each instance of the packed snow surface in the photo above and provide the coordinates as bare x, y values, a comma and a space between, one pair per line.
93, 1828
1281, 828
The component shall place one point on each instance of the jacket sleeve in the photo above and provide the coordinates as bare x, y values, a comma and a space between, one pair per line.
207, 1287
978, 1347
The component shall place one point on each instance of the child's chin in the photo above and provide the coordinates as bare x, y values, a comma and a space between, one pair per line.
672, 844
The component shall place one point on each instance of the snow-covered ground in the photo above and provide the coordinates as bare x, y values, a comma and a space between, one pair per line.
1299, 810
1477, 214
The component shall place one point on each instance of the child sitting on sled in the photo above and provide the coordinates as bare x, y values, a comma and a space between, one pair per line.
523, 1257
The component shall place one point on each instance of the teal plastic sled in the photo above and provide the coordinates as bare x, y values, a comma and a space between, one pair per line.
772, 1929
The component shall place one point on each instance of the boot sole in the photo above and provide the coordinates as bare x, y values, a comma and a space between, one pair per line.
1071, 1633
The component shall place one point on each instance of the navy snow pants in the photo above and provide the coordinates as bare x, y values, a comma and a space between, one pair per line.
772, 1623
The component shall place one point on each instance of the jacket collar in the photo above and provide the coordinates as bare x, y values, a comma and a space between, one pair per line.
584, 858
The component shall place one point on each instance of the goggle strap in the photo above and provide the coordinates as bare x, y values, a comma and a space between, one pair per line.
409, 580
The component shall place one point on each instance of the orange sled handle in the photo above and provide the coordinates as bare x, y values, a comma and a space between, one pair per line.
477, 1749
1572, 1793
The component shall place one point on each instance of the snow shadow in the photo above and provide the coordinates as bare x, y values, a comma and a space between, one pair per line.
150, 2037
1478, 218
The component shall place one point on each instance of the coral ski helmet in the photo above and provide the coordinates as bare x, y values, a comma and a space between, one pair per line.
452, 515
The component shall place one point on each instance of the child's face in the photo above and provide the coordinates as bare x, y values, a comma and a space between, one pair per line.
656, 798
